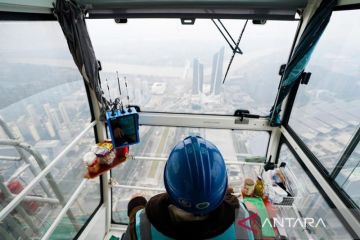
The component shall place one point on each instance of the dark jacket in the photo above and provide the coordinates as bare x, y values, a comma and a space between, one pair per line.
157, 212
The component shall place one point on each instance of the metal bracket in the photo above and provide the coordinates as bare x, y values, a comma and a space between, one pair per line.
243, 113
188, 21
112, 182
305, 77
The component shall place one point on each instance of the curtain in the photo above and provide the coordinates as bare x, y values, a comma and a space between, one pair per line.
301, 55
72, 21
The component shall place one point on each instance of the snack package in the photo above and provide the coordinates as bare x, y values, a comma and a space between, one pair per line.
104, 152
122, 152
91, 162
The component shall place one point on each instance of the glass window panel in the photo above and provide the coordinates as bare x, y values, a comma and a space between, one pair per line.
82, 208
34, 215
69, 171
42, 96
309, 203
43, 103
326, 112
349, 176
146, 170
172, 67
68, 174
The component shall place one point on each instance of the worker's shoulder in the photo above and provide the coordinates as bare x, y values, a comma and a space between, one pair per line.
161, 198
231, 200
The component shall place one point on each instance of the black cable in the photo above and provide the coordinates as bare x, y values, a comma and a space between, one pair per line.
238, 50
234, 51
232, 48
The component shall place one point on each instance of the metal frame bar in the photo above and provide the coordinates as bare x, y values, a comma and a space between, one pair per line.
100, 135
41, 162
63, 211
227, 162
289, 103
346, 154
19, 208
95, 116
326, 187
348, 6
40, 199
9, 158
138, 187
18, 171
6, 210
204, 121
25, 16
273, 145
23, 156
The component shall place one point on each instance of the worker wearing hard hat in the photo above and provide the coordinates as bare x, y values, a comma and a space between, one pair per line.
197, 203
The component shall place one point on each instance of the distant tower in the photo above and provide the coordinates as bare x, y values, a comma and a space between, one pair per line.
52, 116
34, 117
64, 115
198, 77
201, 77
217, 72
34, 132
50, 129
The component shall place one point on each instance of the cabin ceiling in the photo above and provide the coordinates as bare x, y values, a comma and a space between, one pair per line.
252, 9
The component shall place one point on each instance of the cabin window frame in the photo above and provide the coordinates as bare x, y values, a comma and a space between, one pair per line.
329, 176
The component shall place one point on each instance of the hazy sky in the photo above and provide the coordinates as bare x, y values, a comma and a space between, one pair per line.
33, 35
160, 39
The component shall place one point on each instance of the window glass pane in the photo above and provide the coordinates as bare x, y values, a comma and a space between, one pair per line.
42, 96
326, 112
44, 202
43, 104
33, 217
82, 208
146, 170
349, 176
172, 67
308, 203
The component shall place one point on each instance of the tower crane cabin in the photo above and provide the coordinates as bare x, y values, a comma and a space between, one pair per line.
104, 102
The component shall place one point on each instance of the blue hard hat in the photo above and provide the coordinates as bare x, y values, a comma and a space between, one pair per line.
195, 176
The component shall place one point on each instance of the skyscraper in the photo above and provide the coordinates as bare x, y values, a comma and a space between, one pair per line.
34, 116
201, 77
198, 77
217, 72
52, 116
34, 132
63, 112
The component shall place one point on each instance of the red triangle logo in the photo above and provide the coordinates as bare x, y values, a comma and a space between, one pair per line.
242, 222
